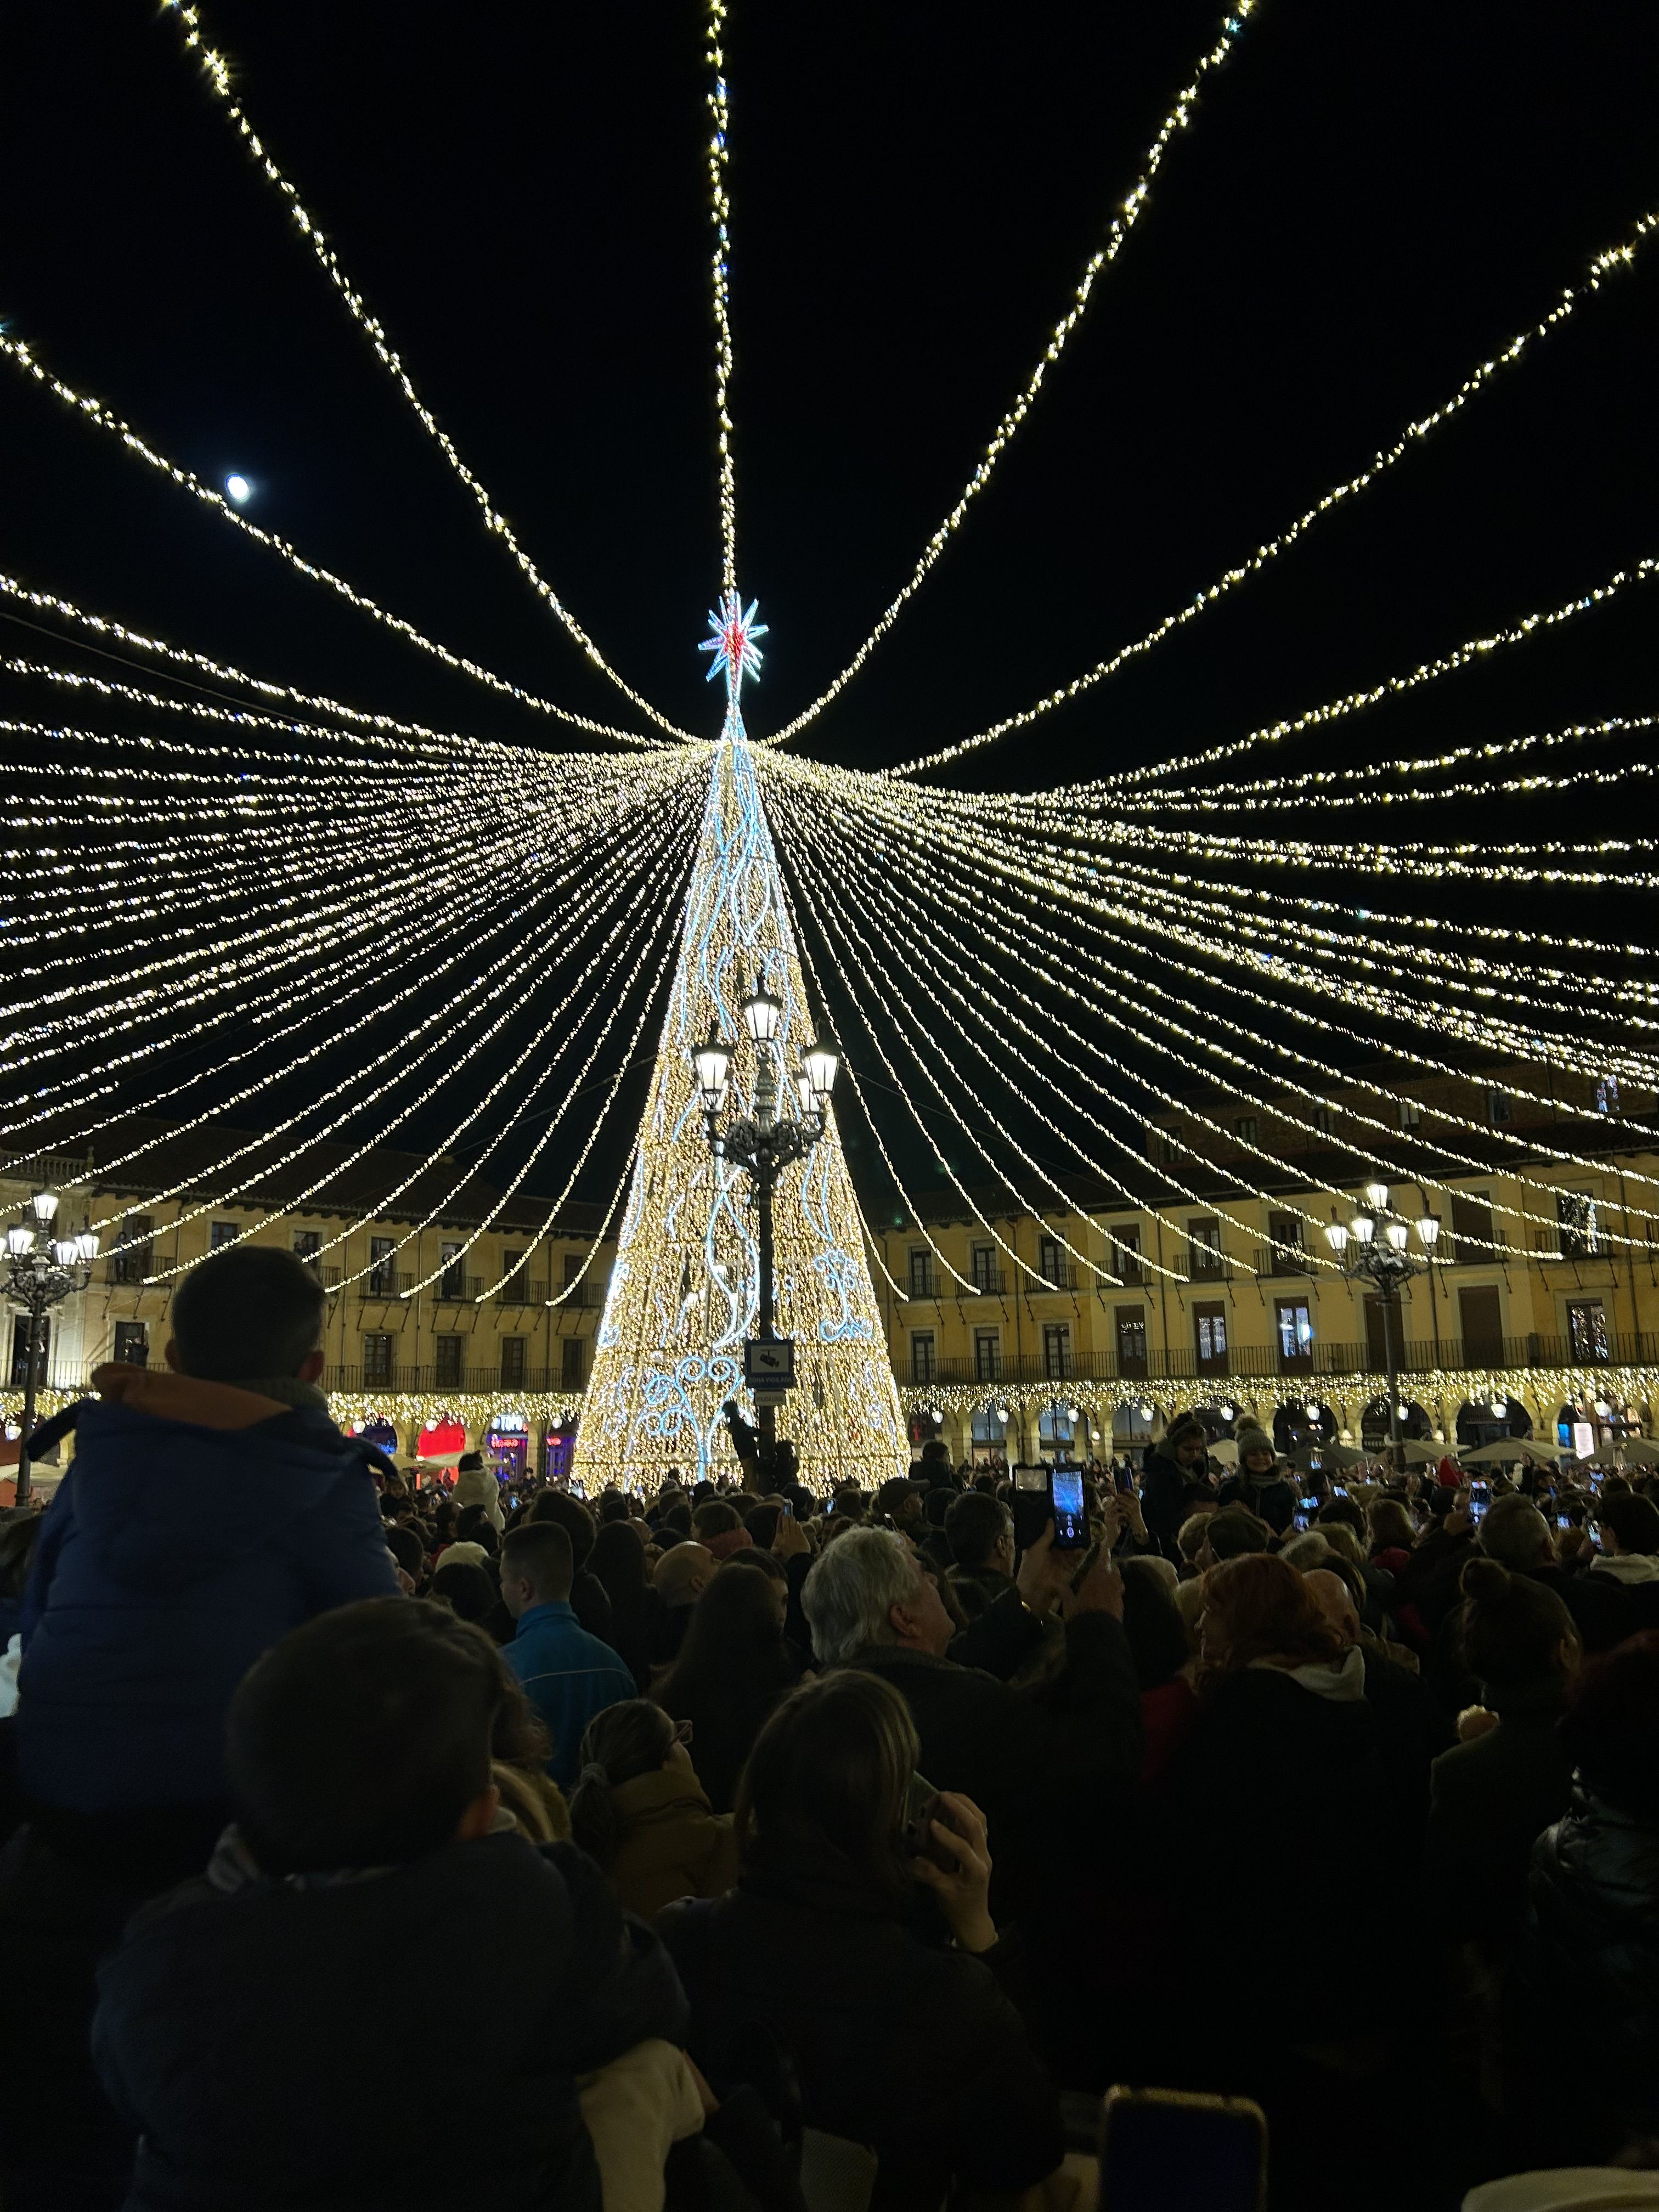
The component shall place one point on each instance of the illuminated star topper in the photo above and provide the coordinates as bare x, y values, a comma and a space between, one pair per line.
734, 642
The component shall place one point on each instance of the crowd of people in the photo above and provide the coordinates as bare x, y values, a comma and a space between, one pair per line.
510, 1849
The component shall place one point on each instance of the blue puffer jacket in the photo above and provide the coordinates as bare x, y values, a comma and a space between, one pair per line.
172, 1555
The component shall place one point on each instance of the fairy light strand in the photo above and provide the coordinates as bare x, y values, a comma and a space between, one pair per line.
1117, 235
216, 72
1610, 261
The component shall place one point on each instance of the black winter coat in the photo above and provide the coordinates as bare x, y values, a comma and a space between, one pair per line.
1163, 1501
1273, 1501
1591, 1967
252, 2036
1276, 1787
1043, 1764
913, 2050
1491, 1799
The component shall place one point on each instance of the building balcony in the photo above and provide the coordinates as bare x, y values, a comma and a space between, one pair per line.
987, 1283
1268, 1362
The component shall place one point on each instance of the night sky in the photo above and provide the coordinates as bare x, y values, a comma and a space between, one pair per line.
1368, 201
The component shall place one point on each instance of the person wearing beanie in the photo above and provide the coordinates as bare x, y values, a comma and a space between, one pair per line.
1259, 1482
1627, 1530
1171, 1466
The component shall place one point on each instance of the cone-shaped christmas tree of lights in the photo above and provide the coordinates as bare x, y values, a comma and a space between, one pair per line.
684, 1290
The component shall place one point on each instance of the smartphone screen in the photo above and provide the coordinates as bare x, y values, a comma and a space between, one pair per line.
1479, 1496
1164, 2152
1071, 1515
787, 1510
1030, 1501
1299, 1520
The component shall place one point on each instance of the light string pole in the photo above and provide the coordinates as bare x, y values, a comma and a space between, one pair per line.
1372, 1249
42, 1271
762, 1144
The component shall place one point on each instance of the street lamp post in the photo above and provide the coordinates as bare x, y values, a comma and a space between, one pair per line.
762, 1144
41, 1271
1371, 1248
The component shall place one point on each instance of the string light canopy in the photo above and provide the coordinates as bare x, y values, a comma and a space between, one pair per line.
1138, 952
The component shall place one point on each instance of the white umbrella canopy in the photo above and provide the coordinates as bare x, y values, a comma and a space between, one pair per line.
1507, 1448
1340, 1456
1226, 1450
1629, 1451
1418, 1454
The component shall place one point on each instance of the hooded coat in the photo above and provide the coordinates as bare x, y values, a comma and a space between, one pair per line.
247, 2029
175, 1553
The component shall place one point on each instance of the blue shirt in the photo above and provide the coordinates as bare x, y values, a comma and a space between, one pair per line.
569, 1676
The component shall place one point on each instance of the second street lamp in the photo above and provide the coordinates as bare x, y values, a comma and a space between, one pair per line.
40, 1271
1372, 1248
763, 1143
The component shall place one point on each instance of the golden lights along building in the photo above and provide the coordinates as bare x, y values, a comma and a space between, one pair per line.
1541, 1308
1219, 1302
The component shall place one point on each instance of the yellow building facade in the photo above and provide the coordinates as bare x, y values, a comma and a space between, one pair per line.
1542, 1299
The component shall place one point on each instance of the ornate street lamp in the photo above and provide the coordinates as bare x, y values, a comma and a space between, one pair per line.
1371, 1248
762, 1144
40, 1271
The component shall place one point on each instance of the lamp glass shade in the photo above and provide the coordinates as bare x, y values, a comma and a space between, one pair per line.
1336, 1235
20, 1239
1377, 1196
809, 1104
713, 1060
63, 1251
763, 1013
86, 1246
822, 1060
1428, 1231
1397, 1232
1364, 1228
45, 1203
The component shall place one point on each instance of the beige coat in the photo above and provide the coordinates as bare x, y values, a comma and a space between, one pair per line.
672, 1845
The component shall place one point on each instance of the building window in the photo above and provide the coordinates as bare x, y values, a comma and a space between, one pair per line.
1052, 1265
1131, 1340
1210, 1338
1581, 1235
515, 1282
1057, 1349
308, 1247
987, 1354
382, 1270
1285, 1257
923, 1362
1411, 1113
513, 1349
134, 1264
1294, 1323
448, 1354
1607, 1094
377, 1356
573, 1362
131, 1344
1244, 1129
1497, 1108
923, 1284
1321, 1120
1471, 1221
1126, 1251
19, 1350
451, 1281
1587, 1330
988, 1276
1204, 1249
222, 1233
1164, 1148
